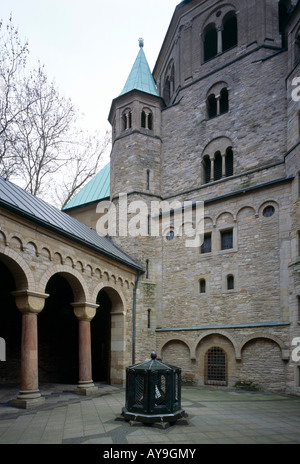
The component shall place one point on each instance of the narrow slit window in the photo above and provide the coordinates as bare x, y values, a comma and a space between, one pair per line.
202, 285
230, 282
207, 169
149, 318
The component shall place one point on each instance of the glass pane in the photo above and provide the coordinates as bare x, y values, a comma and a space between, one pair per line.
227, 240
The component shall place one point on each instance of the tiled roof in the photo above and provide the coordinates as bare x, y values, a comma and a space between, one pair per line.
97, 189
26, 205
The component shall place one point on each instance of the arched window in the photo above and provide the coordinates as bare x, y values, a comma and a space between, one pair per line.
169, 85
207, 169
202, 286
212, 106
229, 33
143, 119
147, 120
224, 104
210, 42
218, 166
229, 162
215, 367
217, 105
230, 282
127, 120
217, 160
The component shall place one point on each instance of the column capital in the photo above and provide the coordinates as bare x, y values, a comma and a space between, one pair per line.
85, 311
28, 301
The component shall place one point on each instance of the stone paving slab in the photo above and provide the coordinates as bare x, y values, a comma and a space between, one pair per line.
214, 417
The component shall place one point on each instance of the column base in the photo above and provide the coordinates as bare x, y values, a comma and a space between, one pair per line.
86, 388
28, 399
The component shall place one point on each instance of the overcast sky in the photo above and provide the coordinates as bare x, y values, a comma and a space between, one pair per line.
89, 46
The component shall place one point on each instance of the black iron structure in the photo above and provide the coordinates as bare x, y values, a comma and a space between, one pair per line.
153, 392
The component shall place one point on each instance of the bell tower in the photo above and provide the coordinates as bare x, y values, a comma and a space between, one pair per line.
135, 117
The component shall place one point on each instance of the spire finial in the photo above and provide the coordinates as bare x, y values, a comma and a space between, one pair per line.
141, 42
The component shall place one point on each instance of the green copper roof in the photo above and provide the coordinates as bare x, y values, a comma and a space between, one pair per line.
95, 190
140, 77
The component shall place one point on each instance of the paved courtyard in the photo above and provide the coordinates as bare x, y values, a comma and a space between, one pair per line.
214, 417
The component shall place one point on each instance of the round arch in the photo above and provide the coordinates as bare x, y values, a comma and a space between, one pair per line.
73, 277
261, 335
114, 340
221, 333
19, 269
173, 339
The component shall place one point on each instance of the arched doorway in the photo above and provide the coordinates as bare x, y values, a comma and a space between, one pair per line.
101, 339
10, 326
58, 334
108, 337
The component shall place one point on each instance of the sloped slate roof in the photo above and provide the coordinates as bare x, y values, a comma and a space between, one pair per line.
140, 77
26, 205
97, 189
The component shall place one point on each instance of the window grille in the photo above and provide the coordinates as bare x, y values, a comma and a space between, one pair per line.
215, 367
269, 211
226, 239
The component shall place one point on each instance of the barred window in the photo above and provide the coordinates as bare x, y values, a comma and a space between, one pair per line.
215, 367
226, 239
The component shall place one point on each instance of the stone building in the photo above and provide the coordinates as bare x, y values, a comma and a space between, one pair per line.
216, 122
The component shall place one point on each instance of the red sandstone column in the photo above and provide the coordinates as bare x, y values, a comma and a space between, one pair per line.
30, 304
85, 355
85, 313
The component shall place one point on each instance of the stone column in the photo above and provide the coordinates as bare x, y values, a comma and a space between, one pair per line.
212, 168
220, 39
218, 98
30, 304
223, 164
85, 313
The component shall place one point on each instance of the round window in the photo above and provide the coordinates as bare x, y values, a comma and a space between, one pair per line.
170, 235
269, 211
